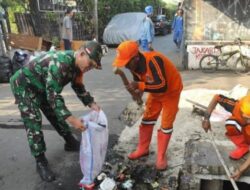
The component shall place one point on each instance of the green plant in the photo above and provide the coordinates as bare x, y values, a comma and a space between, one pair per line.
10, 7
51, 16
79, 16
55, 41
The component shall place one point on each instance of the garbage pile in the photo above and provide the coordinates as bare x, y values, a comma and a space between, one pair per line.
121, 174
128, 177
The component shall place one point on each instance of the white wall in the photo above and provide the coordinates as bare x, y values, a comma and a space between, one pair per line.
196, 52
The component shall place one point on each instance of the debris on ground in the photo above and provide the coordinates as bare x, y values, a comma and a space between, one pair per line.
119, 173
131, 114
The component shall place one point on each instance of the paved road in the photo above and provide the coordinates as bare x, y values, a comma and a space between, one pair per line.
17, 167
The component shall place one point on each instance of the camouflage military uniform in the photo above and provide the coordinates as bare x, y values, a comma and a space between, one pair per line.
37, 86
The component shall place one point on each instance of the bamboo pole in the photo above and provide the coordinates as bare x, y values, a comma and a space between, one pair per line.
211, 136
96, 20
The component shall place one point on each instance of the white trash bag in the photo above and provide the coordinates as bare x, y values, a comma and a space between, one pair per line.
93, 145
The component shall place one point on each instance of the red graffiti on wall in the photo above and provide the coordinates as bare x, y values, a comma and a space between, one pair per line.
200, 51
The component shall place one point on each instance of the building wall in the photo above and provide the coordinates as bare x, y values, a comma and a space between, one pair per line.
217, 19
212, 22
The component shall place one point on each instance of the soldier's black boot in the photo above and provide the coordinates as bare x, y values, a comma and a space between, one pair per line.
72, 144
42, 167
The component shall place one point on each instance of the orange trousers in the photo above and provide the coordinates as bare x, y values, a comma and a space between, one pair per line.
168, 104
233, 128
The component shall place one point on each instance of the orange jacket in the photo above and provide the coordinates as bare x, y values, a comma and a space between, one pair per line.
161, 76
232, 106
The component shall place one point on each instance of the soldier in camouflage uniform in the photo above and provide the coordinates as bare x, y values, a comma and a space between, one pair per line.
38, 85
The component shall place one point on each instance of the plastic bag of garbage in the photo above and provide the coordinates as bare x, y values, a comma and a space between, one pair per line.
93, 145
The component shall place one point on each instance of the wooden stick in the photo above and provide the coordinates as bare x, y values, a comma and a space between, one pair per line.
211, 135
125, 81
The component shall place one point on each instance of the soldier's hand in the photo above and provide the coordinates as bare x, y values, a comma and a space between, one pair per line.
94, 107
206, 125
79, 125
76, 123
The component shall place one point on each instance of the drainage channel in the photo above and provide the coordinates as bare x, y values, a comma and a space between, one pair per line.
222, 185
202, 169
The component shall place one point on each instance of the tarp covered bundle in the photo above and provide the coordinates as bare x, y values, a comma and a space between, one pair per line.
122, 27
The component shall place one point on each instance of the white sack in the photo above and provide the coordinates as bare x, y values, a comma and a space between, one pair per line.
93, 145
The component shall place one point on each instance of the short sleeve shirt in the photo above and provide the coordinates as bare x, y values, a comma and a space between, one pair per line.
67, 24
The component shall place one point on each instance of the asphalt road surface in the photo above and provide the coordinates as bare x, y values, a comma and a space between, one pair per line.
17, 166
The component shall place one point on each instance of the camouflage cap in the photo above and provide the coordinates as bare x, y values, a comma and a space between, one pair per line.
94, 51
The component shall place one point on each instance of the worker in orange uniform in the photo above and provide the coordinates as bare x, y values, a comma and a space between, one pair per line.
237, 125
154, 73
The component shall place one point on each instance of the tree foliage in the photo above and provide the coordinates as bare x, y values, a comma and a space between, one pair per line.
11, 6
13, 3
106, 10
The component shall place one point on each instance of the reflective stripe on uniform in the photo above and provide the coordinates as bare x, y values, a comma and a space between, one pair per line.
234, 123
167, 130
147, 122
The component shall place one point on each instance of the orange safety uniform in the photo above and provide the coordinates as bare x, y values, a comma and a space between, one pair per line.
158, 76
235, 125
164, 84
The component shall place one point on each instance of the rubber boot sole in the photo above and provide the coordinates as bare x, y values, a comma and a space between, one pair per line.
143, 155
238, 158
161, 168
